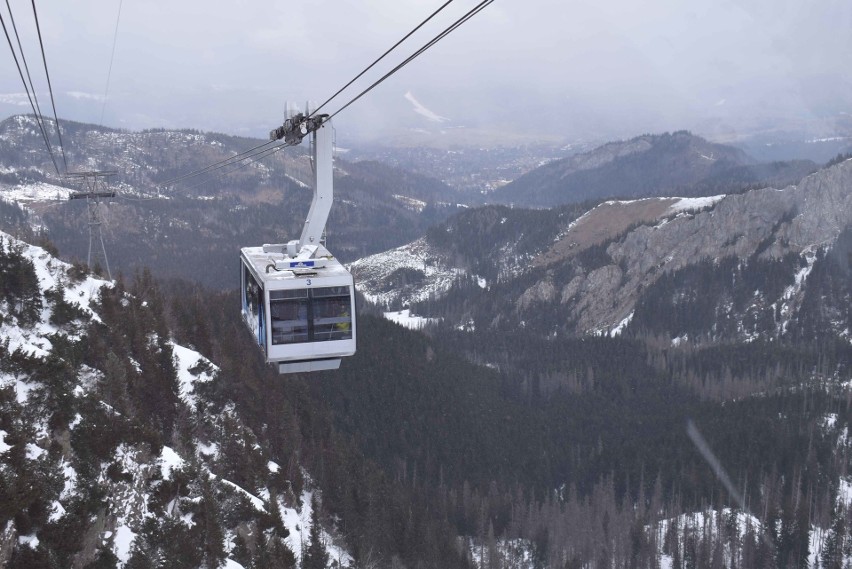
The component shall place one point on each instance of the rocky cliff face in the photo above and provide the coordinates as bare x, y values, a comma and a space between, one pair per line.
767, 224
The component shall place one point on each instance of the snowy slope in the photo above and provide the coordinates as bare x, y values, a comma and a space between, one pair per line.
417, 271
57, 412
410, 273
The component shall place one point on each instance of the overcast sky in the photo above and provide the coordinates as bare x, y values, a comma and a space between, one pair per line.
542, 67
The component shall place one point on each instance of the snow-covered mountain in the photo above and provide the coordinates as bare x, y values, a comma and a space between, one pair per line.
89, 475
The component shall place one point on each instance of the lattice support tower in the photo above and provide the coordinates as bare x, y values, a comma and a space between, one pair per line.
94, 190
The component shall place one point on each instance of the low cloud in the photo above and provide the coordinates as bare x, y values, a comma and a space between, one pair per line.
86, 96
17, 99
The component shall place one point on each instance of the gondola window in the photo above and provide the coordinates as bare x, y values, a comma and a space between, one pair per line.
310, 315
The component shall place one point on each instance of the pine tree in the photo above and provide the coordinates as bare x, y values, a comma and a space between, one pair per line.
315, 557
832, 551
214, 538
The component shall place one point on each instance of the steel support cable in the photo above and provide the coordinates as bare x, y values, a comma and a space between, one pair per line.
49, 87
238, 163
254, 158
393, 47
27, 91
215, 165
26, 67
474, 11
240, 157
111, 59
257, 156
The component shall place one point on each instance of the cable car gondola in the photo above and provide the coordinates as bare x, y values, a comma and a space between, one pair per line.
298, 301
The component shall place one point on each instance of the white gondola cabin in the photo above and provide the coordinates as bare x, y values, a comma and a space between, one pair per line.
302, 318
298, 301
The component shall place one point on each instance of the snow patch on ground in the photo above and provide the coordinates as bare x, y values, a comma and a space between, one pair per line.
209, 449
255, 501
801, 276
169, 461
123, 542
373, 274
692, 204
844, 492
34, 452
56, 512
22, 391
619, 328
35, 192
410, 203
192, 368
792, 294
32, 342
706, 522
411, 321
516, 553
70, 477
421, 110
680, 340
298, 522
296, 181
30, 540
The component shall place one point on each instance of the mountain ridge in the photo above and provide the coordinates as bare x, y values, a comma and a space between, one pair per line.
185, 228
595, 265
678, 163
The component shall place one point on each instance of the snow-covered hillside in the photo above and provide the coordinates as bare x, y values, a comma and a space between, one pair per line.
411, 273
419, 270
87, 475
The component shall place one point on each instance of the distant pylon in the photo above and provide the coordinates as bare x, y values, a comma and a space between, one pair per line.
94, 188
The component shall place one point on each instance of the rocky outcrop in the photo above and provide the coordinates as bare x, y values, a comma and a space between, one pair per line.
543, 291
769, 223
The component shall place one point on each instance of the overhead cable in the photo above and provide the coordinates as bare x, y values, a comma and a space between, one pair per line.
111, 58
26, 67
49, 87
393, 47
474, 11
250, 156
216, 165
27, 91
251, 160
